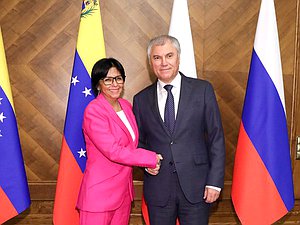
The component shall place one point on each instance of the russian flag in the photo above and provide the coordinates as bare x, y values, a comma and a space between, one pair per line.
14, 192
90, 48
180, 28
262, 185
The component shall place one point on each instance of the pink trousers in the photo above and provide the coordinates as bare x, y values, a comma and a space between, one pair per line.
119, 216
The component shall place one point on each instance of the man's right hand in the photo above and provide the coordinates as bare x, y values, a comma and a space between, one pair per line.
155, 171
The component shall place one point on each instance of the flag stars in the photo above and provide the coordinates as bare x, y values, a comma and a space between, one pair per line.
87, 91
1, 134
1, 101
81, 153
2, 117
74, 81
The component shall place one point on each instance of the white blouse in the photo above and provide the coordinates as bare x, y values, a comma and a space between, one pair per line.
123, 117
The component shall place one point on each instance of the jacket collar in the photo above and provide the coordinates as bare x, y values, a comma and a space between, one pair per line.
126, 109
185, 95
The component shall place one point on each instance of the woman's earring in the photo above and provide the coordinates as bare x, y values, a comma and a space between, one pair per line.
98, 91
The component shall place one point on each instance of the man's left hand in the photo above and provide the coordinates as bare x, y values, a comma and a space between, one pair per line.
211, 195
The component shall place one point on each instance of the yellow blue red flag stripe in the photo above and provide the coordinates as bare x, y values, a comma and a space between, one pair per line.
262, 188
14, 192
90, 48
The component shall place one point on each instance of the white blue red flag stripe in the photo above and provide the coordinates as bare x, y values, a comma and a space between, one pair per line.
90, 48
262, 188
14, 192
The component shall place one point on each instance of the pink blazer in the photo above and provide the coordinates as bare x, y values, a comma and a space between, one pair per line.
111, 154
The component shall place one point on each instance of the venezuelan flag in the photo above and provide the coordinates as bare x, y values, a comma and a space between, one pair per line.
14, 192
262, 188
90, 48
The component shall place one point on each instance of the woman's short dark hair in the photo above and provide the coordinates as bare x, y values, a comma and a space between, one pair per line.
100, 71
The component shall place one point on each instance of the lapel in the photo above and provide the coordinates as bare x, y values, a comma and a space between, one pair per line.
154, 107
184, 98
112, 114
130, 116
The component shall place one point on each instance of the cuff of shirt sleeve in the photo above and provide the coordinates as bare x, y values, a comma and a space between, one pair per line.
213, 187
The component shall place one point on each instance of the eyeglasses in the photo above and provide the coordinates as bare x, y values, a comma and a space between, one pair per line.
109, 80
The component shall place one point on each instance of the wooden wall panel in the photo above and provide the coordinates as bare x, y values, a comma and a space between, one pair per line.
295, 128
40, 40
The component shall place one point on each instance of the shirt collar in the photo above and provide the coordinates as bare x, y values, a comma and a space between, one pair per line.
176, 82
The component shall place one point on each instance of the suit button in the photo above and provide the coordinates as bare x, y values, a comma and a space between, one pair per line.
171, 163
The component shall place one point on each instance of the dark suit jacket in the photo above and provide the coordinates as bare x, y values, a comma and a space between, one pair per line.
196, 148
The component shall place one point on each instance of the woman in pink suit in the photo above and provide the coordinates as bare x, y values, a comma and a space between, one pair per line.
111, 137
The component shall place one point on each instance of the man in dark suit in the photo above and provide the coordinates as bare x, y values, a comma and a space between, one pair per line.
192, 144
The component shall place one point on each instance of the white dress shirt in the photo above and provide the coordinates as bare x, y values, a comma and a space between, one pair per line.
162, 94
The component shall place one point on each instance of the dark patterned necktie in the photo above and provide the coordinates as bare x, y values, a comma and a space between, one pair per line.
169, 109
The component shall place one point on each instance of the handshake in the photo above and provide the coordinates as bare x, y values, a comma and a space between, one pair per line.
155, 170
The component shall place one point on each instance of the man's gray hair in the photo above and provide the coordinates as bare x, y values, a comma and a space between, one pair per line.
161, 40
